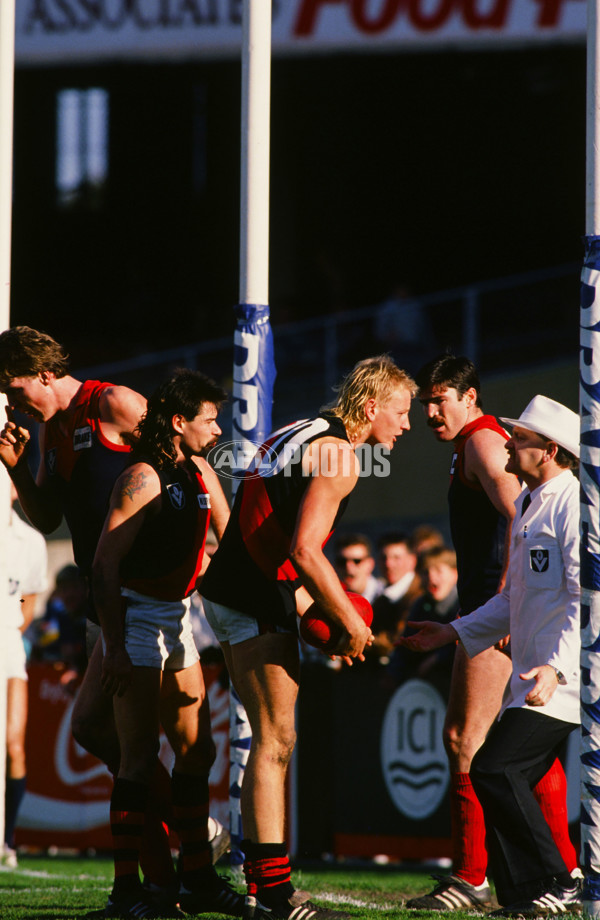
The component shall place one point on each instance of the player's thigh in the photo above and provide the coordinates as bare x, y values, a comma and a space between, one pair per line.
16, 710
137, 720
184, 708
476, 689
265, 671
92, 706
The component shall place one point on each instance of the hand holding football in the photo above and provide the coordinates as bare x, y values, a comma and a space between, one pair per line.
317, 629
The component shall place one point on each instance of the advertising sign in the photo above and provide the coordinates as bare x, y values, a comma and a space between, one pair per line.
67, 800
80, 31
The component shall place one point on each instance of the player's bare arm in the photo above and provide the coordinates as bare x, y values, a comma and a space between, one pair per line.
485, 461
38, 502
13, 441
120, 412
315, 521
135, 496
219, 506
219, 509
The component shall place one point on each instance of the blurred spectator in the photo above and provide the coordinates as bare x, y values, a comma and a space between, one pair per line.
354, 563
439, 604
398, 564
60, 634
426, 537
27, 565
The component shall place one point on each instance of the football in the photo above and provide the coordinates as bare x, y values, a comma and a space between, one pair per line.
317, 630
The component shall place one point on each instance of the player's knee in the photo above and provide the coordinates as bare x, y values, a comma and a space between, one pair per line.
461, 744
83, 730
275, 746
86, 735
138, 764
452, 738
95, 740
284, 747
199, 756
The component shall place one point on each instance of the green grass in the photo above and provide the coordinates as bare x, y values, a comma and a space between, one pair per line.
59, 888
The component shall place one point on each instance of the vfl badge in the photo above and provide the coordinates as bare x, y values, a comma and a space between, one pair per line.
177, 496
453, 464
82, 438
539, 560
204, 500
51, 461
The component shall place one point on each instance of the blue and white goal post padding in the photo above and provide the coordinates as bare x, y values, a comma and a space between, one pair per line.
253, 381
589, 369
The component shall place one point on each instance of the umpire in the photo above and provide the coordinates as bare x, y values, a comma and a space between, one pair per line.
539, 607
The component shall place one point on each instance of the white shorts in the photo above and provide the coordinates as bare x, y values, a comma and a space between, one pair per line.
15, 659
232, 626
158, 634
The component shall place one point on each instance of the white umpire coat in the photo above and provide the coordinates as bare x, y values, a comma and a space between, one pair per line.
27, 560
539, 605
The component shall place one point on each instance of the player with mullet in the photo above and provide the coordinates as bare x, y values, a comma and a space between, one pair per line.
268, 567
149, 558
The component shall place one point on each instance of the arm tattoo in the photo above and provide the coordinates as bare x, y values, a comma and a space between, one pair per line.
135, 482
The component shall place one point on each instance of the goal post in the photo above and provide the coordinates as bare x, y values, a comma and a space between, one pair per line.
7, 67
253, 364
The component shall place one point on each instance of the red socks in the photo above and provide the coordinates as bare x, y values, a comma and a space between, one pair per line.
468, 827
551, 794
469, 854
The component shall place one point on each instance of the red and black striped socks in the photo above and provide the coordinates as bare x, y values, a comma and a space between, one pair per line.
127, 811
267, 871
190, 816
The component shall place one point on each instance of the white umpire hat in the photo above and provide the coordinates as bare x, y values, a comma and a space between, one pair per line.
552, 420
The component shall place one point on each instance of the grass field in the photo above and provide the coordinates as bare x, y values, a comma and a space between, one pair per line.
57, 888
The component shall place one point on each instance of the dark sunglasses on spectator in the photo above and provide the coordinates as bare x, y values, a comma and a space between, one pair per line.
344, 560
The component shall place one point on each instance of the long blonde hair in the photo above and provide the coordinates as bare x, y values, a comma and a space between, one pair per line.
374, 378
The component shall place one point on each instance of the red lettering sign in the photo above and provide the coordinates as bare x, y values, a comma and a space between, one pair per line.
427, 21
305, 24
372, 24
423, 15
494, 19
550, 11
